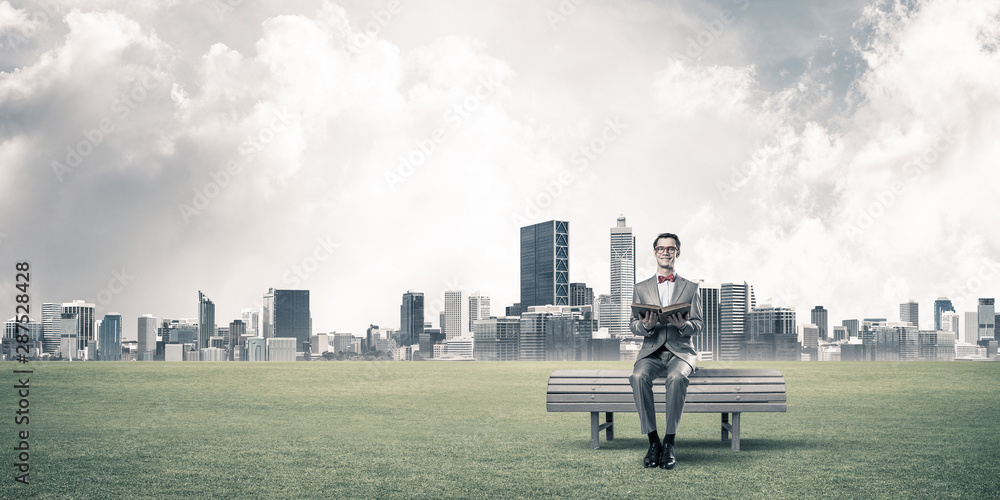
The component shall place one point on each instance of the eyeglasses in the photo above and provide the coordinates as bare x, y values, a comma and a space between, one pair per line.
666, 250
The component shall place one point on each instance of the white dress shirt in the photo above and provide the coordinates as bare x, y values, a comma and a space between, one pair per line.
666, 290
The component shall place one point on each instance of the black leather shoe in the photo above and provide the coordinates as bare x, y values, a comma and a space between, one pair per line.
667, 460
652, 456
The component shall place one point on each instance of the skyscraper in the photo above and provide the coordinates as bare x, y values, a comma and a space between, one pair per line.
237, 330
767, 319
852, 327
987, 316
818, 317
206, 320
51, 327
496, 339
251, 318
580, 294
909, 312
109, 338
479, 308
622, 278
950, 323
707, 343
84, 322
942, 304
970, 331
411, 318
736, 301
286, 314
545, 264
69, 332
810, 340
146, 333
455, 321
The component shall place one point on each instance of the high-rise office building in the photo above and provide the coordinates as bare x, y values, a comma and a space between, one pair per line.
84, 322
580, 294
950, 323
496, 339
622, 279
970, 332
69, 332
768, 319
852, 327
109, 338
251, 318
839, 333
479, 308
987, 316
146, 337
545, 264
51, 327
909, 312
810, 337
287, 315
604, 311
455, 319
411, 318
942, 304
206, 320
819, 317
237, 330
707, 343
736, 302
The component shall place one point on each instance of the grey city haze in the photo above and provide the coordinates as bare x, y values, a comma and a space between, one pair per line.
828, 153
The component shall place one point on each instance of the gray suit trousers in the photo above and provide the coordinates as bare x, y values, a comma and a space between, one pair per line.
676, 371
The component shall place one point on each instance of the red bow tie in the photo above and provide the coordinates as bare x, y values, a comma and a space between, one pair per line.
661, 279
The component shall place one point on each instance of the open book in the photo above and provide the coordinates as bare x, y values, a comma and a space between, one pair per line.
638, 310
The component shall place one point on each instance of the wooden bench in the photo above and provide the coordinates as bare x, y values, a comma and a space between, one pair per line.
725, 391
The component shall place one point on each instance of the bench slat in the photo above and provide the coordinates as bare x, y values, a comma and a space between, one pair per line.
661, 407
702, 372
661, 397
625, 389
693, 380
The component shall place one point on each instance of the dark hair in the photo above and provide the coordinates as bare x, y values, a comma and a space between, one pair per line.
667, 235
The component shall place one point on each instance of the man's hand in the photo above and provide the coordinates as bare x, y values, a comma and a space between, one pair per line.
648, 320
678, 320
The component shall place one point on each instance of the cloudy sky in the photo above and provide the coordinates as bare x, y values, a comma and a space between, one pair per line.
834, 153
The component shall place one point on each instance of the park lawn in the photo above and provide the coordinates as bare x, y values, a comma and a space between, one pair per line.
475, 429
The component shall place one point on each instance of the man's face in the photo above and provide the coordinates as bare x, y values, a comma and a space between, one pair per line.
666, 252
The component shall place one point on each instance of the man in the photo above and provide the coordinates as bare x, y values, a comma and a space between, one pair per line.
666, 348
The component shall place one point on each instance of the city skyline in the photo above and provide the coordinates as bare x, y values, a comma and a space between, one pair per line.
800, 149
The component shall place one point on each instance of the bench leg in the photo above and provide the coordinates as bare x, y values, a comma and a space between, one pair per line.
610, 434
736, 431
596, 427
725, 426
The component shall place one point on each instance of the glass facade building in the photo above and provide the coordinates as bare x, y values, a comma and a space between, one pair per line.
545, 264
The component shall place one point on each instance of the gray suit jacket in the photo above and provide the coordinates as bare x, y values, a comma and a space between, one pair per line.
678, 341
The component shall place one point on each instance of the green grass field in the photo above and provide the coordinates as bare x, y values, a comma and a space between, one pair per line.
440, 429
